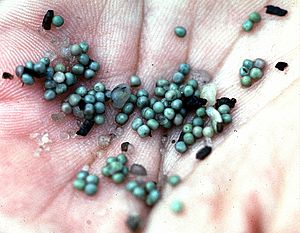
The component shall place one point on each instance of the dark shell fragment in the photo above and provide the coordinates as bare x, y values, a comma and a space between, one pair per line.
6, 75
203, 152
133, 222
281, 65
85, 128
275, 10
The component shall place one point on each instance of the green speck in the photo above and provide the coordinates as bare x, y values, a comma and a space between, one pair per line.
174, 180
177, 206
247, 25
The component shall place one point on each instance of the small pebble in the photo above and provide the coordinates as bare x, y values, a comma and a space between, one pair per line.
61, 88
121, 118
248, 64
184, 68
138, 192
136, 123
70, 79
224, 108
82, 175
59, 67
76, 50
19, 71
244, 71
92, 179
95, 66
89, 74
180, 31
99, 119
135, 81
90, 189
226, 118
208, 132
246, 81
143, 131
84, 46
57, 21
40, 68
45, 60
149, 186
256, 73
197, 131
130, 186
74, 99
66, 108
203, 152
49, 95
153, 197
180, 147
79, 184
178, 77
259, 63
59, 77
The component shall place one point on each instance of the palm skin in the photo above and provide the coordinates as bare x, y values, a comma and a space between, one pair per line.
250, 182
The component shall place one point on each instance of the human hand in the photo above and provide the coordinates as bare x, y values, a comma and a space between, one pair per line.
250, 183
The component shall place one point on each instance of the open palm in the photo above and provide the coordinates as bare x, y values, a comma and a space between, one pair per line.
249, 183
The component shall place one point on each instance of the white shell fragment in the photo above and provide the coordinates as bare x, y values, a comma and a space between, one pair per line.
214, 116
209, 92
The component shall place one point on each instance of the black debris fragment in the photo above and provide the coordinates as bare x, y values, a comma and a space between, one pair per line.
224, 100
281, 65
48, 20
6, 75
275, 10
85, 128
203, 152
180, 139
